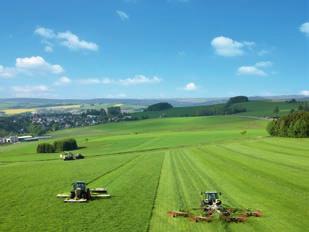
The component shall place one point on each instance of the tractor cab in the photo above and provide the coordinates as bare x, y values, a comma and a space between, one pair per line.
79, 185
210, 198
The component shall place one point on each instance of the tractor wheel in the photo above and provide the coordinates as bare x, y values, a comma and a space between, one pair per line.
88, 194
72, 195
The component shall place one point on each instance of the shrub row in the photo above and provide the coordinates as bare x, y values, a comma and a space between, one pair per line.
293, 125
57, 146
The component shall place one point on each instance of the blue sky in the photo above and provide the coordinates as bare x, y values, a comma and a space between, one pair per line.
153, 49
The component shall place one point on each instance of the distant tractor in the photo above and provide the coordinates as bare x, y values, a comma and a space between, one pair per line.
70, 156
80, 193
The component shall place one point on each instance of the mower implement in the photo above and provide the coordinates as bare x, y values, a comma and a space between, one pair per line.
178, 214
80, 193
211, 205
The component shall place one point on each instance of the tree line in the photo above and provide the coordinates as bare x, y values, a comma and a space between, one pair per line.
295, 124
57, 146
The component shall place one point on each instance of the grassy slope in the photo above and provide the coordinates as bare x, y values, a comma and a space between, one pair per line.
153, 166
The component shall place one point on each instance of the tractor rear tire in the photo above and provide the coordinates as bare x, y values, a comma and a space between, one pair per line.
88, 194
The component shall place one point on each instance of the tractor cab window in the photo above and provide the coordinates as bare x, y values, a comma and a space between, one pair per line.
212, 196
79, 185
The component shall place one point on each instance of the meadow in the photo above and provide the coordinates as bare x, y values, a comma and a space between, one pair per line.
156, 165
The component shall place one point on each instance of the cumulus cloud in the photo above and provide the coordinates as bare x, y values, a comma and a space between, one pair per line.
264, 64
228, 47
263, 52
250, 70
305, 28
30, 65
67, 39
118, 95
7, 72
190, 87
45, 32
30, 91
122, 15
89, 81
305, 92
63, 81
48, 49
136, 80
37, 64
72, 41
140, 79
255, 70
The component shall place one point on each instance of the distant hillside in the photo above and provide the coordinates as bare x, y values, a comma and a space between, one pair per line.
261, 108
9, 103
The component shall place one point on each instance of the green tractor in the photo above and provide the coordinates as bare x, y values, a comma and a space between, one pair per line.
80, 193
211, 205
210, 198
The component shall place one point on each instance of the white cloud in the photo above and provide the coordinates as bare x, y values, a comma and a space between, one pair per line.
305, 28
263, 64
263, 52
190, 87
72, 41
7, 72
30, 91
250, 70
136, 80
89, 81
255, 70
122, 15
31, 66
63, 81
305, 92
67, 39
48, 49
119, 95
228, 47
139, 79
37, 64
45, 32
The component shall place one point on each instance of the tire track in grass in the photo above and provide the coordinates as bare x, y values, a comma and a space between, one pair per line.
263, 186
155, 195
270, 178
114, 169
296, 161
284, 145
262, 159
197, 173
231, 200
270, 147
178, 192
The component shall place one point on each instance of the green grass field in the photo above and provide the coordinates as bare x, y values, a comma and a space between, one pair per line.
156, 165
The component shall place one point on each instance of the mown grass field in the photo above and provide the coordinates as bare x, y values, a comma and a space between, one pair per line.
153, 166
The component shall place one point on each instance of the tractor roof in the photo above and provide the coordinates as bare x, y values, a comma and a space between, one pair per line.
79, 182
